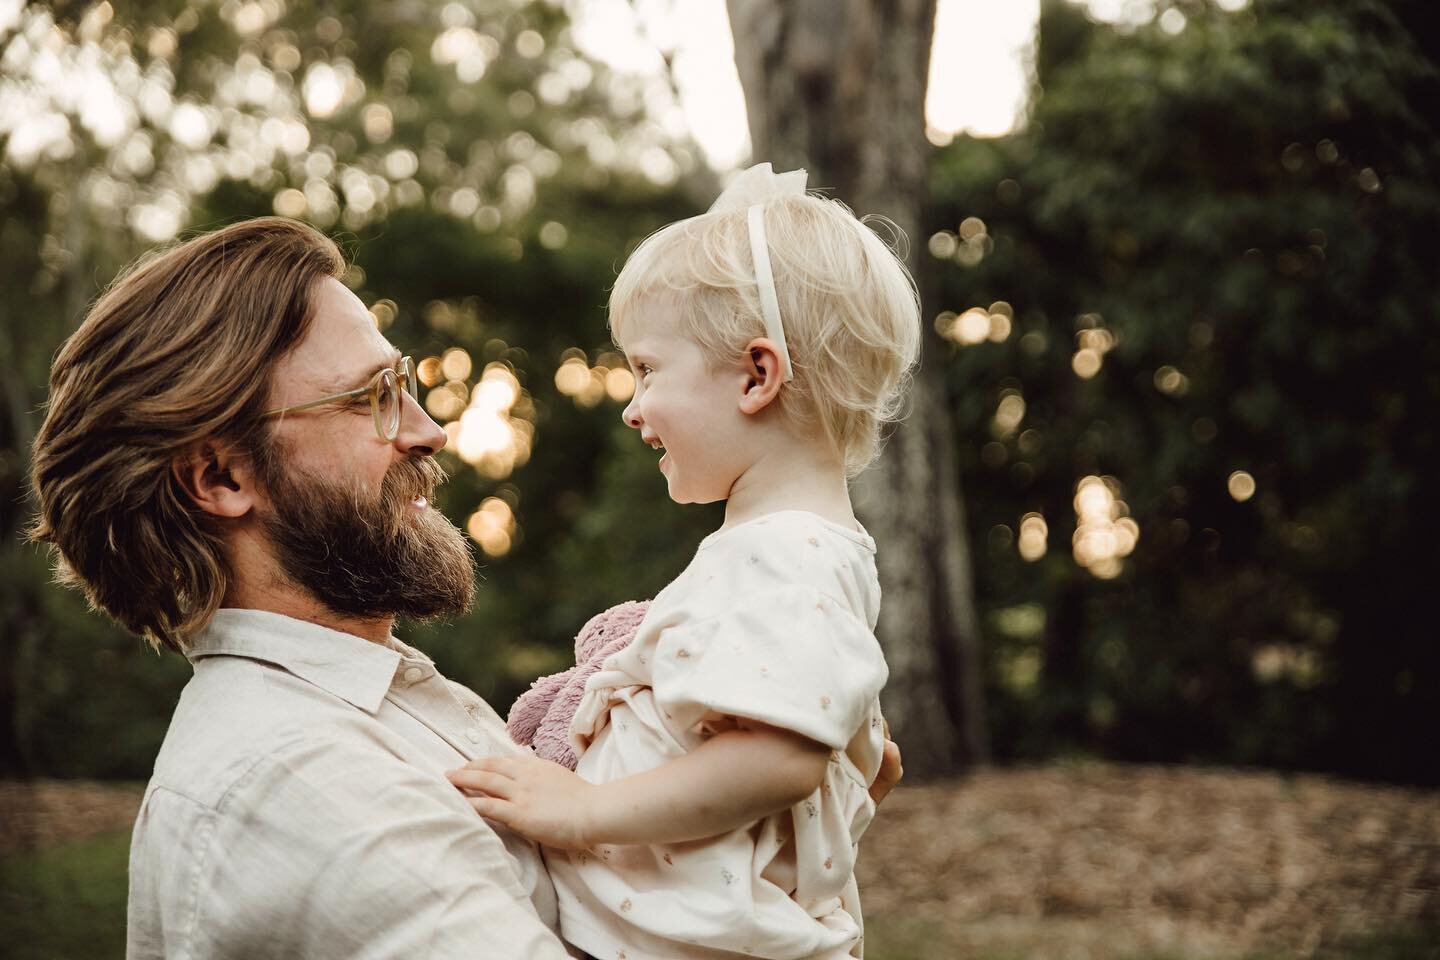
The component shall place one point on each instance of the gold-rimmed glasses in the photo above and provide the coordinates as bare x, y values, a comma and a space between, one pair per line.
384, 390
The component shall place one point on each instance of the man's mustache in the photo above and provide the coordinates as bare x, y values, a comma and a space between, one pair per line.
411, 479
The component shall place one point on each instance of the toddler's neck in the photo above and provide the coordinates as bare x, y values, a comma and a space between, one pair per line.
798, 478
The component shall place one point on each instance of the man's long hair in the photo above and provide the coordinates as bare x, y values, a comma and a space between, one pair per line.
178, 350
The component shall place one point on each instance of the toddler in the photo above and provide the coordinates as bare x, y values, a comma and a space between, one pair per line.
724, 755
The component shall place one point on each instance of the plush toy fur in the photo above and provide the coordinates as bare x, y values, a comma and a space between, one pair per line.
541, 717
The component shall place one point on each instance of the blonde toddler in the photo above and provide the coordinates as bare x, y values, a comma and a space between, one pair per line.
724, 757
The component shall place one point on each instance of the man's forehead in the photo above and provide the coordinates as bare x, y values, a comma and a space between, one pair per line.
343, 343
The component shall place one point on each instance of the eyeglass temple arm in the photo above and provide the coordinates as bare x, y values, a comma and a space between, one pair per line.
359, 391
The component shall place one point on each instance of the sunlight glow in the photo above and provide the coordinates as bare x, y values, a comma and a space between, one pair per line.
981, 68
981, 62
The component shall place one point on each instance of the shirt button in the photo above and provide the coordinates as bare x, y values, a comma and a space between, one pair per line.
473, 733
413, 674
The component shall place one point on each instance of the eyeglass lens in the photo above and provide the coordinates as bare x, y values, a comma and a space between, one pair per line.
387, 397
387, 405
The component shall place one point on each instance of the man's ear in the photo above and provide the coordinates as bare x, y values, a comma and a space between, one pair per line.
765, 374
216, 478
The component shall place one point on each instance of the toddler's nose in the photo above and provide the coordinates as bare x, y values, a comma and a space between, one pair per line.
631, 415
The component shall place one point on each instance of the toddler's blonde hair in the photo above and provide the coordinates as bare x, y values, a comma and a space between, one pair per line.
849, 308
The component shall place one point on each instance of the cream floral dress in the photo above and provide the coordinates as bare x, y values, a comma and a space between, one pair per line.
772, 621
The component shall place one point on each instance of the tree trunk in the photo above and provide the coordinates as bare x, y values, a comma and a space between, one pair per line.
838, 87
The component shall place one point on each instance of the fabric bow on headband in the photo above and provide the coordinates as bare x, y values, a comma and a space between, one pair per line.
750, 190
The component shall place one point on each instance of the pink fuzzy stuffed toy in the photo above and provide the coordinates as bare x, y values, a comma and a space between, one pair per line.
541, 717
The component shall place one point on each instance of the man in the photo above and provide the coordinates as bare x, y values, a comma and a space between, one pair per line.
234, 465
298, 805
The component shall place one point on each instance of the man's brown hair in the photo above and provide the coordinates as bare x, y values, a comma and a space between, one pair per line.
179, 349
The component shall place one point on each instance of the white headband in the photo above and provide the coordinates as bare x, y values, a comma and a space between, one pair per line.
751, 189
765, 280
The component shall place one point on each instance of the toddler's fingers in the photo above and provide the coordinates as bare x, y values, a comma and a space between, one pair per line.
492, 764
491, 809
490, 784
891, 770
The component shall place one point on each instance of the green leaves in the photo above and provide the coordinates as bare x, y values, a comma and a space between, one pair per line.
1225, 202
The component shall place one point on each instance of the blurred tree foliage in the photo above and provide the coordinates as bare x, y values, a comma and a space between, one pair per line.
486, 177
1224, 228
1213, 252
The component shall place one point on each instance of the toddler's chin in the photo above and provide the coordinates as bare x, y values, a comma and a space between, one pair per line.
679, 494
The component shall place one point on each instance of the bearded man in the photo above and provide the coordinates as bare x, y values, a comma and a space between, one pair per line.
233, 465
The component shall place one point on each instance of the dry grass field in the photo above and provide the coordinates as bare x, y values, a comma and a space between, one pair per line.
1101, 861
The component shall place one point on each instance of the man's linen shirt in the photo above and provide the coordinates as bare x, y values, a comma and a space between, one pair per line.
299, 809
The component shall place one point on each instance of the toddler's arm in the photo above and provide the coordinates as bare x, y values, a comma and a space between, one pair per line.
734, 778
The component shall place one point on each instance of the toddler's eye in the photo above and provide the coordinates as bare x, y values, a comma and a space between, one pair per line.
644, 369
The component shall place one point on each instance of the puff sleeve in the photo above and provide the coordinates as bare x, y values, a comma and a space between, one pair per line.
792, 657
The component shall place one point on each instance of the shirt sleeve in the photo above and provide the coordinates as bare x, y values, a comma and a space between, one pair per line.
328, 850
793, 658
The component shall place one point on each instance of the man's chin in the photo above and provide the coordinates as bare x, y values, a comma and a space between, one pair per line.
446, 584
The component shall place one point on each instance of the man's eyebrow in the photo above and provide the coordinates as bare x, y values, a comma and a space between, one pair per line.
345, 382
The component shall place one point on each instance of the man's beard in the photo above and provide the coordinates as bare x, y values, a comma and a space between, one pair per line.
369, 558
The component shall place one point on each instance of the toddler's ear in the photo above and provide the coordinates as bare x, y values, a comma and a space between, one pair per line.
765, 373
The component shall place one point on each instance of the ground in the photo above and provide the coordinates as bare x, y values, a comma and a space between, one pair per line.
1118, 861
1064, 861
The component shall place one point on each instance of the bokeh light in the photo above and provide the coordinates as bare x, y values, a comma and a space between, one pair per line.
455, 363
1171, 381
588, 385
977, 324
1104, 533
493, 526
1093, 341
1274, 662
429, 372
1241, 486
1034, 537
490, 426
1008, 414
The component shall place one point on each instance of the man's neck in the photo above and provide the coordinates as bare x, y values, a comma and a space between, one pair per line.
257, 584
376, 631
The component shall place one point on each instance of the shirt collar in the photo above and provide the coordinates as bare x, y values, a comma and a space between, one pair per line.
349, 667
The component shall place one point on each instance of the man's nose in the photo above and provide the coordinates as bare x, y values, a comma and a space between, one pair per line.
419, 434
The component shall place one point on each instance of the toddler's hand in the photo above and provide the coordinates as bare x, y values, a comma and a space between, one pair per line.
539, 799
891, 769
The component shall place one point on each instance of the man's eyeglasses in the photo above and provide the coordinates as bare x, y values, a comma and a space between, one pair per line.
384, 390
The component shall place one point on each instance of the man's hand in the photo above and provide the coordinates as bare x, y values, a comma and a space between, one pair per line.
891, 769
539, 799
